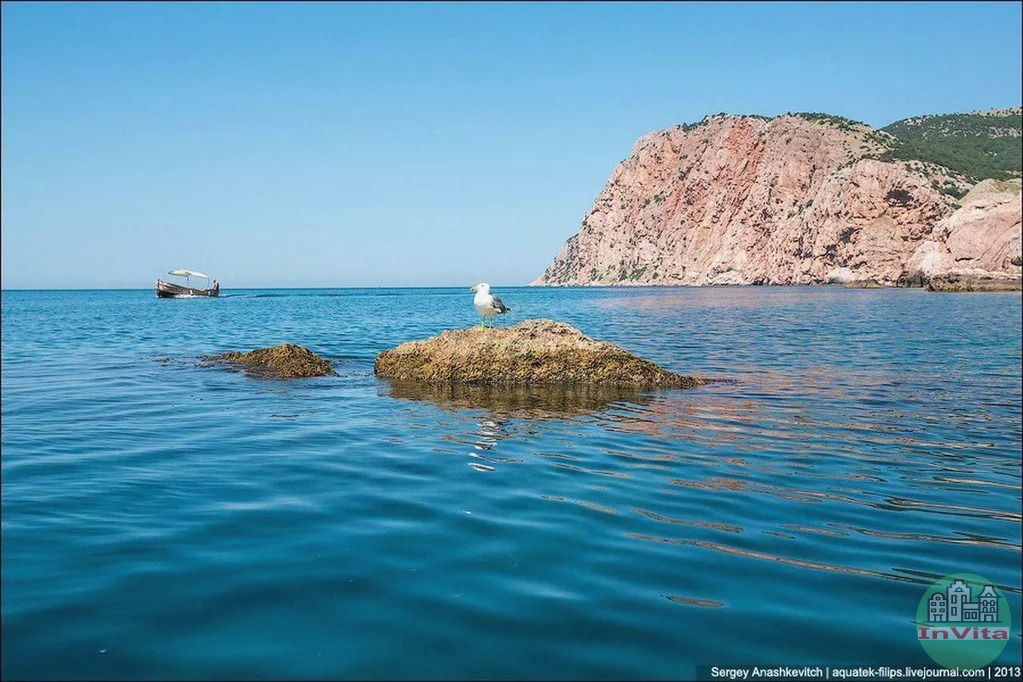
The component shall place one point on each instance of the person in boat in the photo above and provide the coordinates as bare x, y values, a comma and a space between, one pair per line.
216, 285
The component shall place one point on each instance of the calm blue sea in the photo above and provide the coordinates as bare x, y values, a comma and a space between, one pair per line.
161, 520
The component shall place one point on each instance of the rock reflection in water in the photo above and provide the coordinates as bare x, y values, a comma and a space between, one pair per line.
521, 402
498, 406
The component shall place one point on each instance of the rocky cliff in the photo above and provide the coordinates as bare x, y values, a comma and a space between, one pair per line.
981, 238
798, 199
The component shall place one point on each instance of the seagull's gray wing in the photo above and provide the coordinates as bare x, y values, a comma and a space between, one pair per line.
500, 307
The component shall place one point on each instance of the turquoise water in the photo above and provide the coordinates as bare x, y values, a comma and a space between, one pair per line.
164, 520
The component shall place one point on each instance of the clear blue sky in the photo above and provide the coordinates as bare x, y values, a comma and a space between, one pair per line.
385, 144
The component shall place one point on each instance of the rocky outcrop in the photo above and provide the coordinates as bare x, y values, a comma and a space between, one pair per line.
286, 361
956, 281
864, 284
798, 199
979, 243
531, 353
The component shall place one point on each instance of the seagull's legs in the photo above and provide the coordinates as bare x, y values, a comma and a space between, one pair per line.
483, 322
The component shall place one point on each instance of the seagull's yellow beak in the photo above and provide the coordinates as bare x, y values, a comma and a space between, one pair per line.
473, 288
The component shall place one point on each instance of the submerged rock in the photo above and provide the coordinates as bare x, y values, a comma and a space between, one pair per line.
535, 352
286, 361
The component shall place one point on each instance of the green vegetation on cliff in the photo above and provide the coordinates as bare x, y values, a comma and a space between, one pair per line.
840, 122
979, 146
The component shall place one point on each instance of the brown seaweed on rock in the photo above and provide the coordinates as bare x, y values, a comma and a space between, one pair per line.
531, 353
286, 361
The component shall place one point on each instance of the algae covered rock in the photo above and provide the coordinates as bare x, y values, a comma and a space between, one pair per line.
286, 361
535, 352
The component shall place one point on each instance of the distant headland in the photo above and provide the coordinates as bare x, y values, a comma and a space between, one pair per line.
807, 199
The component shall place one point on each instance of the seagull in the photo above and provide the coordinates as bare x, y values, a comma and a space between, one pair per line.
487, 304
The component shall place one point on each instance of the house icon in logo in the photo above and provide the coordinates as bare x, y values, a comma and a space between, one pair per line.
957, 605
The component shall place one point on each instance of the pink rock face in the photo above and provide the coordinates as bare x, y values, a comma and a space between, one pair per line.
743, 200
983, 236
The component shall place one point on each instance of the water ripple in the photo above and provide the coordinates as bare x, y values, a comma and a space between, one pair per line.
165, 520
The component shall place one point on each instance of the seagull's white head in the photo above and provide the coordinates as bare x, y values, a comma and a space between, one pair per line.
482, 287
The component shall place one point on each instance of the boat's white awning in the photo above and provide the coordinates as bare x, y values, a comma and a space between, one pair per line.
188, 273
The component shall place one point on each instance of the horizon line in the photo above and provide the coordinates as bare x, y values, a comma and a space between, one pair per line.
222, 289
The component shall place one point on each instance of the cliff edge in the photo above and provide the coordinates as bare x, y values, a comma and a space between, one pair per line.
797, 199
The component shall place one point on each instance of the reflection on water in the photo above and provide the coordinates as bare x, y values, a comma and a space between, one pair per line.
704, 603
519, 402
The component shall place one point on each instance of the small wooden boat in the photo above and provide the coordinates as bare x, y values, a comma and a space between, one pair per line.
171, 290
